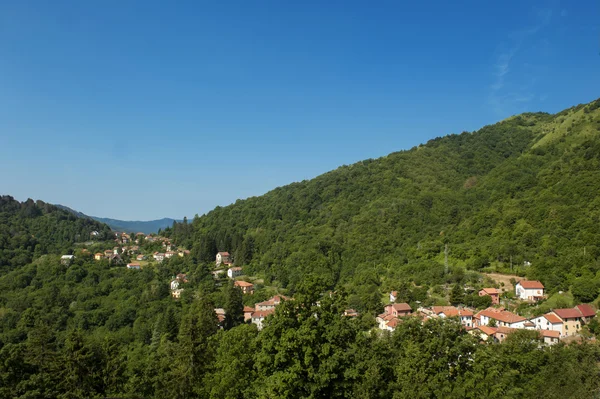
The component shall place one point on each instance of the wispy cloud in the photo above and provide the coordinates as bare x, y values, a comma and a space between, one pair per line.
506, 90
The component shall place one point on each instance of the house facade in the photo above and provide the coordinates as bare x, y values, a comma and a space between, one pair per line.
529, 290
246, 287
501, 317
398, 309
223, 257
234, 272
492, 293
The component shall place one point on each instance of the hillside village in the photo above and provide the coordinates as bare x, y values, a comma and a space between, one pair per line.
493, 323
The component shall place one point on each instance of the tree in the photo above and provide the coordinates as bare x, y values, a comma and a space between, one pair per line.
234, 306
78, 367
457, 295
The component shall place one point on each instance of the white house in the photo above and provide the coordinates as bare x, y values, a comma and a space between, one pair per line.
223, 257
503, 318
234, 272
67, 259
549, 322
259, 316
393, 296
134, 266
529, 290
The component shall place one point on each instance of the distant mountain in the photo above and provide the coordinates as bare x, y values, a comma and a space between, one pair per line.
147, 227
150, 226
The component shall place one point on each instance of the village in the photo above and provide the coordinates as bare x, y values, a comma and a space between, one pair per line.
492, 324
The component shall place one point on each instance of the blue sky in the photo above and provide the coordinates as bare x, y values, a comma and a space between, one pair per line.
148, 109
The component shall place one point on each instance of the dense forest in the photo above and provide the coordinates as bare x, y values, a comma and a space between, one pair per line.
33, 228
519, 192
520, 195
89, 330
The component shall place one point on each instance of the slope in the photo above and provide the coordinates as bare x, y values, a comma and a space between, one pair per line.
33, 228
524, 189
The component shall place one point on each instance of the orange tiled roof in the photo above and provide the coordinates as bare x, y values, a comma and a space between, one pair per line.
501, 315
531, 284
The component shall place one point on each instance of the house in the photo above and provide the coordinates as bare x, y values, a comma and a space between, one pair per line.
398, 309
223, 257
140, 257
548, 322
550, 337
115, 260
502, 318
135, 266
270, 304
98, 256
258, 317
484, 332
572, 321
248, 313
465, 316
350, 313
174, 284
116, 250
393, 296
108, 253
387, 321
94, 233
176, 293
159, 257
220, 316
67, 259
529, 290
247, 288
502, 332
587, 312
170, 254
492, 293
234, 272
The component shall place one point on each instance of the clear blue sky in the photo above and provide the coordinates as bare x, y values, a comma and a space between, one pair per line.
147, 109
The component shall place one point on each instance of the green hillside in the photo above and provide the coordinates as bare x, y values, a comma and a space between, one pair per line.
524, 189
33, 228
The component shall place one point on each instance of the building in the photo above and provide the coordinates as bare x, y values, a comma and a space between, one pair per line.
393, 296
502, 332
270, 304
246, 287
501, 317
159, 257
140, 257
387, 321
587, 312
492, 293
135, 266
550, 337
98, 256
258, 317
465, 316
170, 254
248, 313
67, 259
234, 272
398, 309
548, 322
484, 332
223, 257
176, 293
572, 321
350, 313
108, 253
529, 290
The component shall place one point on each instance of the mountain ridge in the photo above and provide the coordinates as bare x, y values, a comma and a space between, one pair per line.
143, 226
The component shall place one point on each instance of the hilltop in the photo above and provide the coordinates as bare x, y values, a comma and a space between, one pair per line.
521, 192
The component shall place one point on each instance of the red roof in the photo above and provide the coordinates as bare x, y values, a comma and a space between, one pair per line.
261, 314
402, 307
552, 318
224, 253
490, 291
243, 284
487, 330
531, 285
501, 315
550, 333
248, 309
586, 310
235, 268
393, 323
564, 314
451, 311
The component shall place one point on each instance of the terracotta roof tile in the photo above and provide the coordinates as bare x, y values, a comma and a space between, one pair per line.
531, 284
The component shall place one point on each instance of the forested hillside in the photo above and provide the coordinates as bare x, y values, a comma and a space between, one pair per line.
33, 228
522, 190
